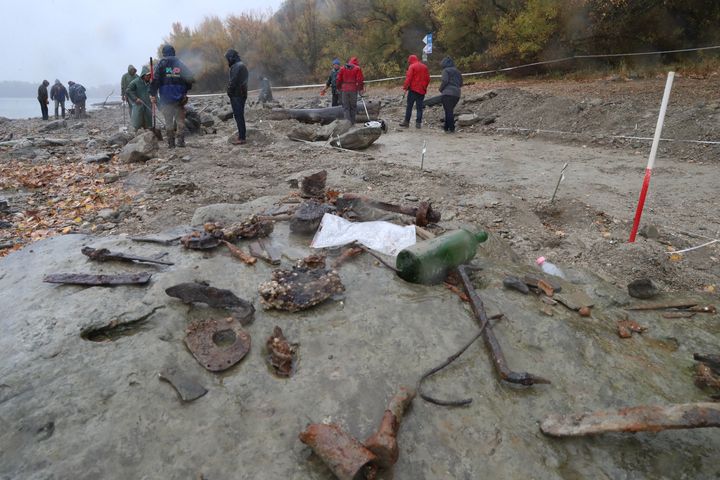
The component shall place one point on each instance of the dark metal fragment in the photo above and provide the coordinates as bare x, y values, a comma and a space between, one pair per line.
200, 241
299, 288
98, 280
187, 388
383, 443
104, 255
313, 186
217, 344
516, 284
307, 217
194, 292
423, 212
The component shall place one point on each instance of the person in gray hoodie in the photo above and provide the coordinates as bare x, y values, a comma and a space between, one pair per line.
450, 86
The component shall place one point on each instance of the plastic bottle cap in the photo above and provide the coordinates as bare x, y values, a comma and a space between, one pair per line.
540, 260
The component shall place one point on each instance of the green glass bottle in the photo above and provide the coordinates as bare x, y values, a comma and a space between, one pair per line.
430, 261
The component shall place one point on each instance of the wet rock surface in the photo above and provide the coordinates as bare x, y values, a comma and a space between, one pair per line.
355, 353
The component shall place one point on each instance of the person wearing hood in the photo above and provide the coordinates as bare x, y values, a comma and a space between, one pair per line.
124, 82
350, 82
417, 80
450, 86
78, 98
237, 90
171, 81
58, 93
332, 83
43, 99
138, 94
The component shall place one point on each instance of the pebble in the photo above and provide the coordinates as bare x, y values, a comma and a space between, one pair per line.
186, 158
386, 173
110, 178
411, 198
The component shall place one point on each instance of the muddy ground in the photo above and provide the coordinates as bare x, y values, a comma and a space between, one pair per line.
355, 351
484, 175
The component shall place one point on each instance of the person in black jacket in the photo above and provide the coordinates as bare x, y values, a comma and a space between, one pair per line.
450, 86
59, 93
171, 80
332, 83
43, 98
237, 91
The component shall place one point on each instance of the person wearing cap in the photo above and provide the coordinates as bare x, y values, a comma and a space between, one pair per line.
237, 90
138, 93
124, 82
350, 82
171, 81
43, 98
332, 83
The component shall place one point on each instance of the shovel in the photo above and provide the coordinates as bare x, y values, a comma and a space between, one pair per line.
156, 132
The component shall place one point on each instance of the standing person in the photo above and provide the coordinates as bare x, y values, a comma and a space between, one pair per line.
77, 97
124, 82
450, 86
350, 82
265, 90
58, 93
138, 93
43, 99
171, 80
417, 80
332, 83
237, 91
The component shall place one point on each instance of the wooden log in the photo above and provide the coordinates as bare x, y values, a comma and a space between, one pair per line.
634, 419
325, 115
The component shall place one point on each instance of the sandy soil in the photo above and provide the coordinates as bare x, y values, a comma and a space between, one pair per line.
489, 175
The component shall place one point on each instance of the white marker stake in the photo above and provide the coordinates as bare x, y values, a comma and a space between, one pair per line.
653, 153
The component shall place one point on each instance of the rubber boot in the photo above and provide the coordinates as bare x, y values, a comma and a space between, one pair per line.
171, 139
181, 140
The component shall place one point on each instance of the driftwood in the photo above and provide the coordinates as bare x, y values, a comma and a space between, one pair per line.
325, 115
98, 280
634, 419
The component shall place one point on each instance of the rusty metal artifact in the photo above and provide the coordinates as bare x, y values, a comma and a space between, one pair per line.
217, 344
98, 280
423, 212
281, 354
200, 241
347, 458
634, 419
306, 285
383, 443
186, 388
194, 292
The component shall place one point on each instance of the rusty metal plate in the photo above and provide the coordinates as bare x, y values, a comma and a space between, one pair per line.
217, 344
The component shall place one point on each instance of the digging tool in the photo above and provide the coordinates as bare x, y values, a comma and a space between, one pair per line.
362, 99
156, 132
124, 127
560, 179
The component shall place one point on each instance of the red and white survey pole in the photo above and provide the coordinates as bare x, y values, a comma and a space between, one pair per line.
653, 153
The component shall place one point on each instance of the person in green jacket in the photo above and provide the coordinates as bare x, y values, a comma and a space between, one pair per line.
138, 94
124, 82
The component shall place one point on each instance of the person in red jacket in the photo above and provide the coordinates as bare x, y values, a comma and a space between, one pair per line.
417, 80
350, 82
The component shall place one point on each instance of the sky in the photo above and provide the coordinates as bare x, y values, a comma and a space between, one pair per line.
93, 41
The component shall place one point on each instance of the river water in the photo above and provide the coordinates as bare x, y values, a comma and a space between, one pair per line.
30, 108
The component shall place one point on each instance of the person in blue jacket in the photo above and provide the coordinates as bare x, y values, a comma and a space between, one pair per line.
171, 81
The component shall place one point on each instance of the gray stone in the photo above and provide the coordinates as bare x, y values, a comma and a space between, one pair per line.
54, 125
233, 212
358, 138
175, 187
489, 119
120, 139
52, 142
303, 132
207, 120
77, 126
650, 232
141, 149
97, 158
225, 114
642, 288
91, 144
106, 214
466, 120
333, 129
110, 178
480, 97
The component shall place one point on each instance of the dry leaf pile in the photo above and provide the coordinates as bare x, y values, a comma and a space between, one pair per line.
61, 198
